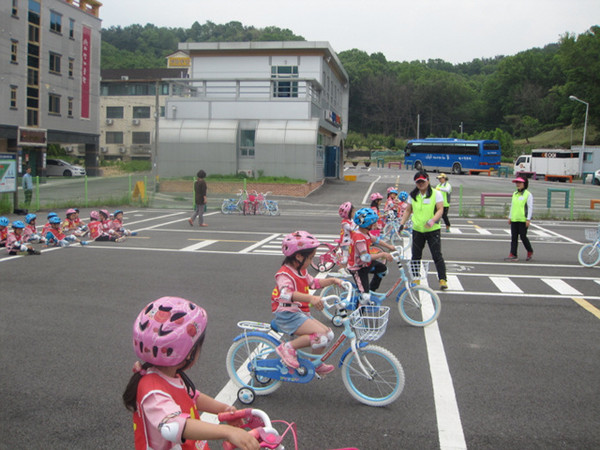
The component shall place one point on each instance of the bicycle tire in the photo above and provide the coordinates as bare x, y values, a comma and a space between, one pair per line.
239, 364
387, 374
263, 209
419, 306
320, 265
589, 255
227, 207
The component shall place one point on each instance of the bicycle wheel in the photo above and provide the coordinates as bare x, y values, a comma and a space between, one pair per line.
273, 207
383, 384
322, 263
228, 206
589, 255
330, 313
419, 306
240, 362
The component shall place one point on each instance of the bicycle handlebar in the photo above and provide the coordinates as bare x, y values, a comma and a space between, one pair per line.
258, 421
338, 302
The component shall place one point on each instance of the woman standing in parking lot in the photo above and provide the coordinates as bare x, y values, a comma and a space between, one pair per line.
200, 189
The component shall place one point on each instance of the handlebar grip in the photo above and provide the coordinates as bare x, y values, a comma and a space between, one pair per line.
255, 433
231, 416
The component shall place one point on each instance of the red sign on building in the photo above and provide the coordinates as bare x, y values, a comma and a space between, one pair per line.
85, 72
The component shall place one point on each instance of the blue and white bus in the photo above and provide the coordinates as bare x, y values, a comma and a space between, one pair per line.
452, 155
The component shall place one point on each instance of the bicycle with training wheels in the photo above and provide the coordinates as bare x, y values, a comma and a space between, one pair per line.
371, 374
234, 205
325, 261
589, 254
418, 305
265, 206
259, 424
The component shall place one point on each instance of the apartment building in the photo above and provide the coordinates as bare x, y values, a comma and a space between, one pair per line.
50, 72
271, 108
129, 102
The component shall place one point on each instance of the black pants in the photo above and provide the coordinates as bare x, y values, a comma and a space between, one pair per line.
361, 276
434, 241
519, 230
445, 216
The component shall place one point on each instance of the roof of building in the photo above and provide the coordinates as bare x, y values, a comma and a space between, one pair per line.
142, 74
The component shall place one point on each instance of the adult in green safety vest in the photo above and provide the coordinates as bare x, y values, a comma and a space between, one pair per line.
446, 189
426, 206
519, 218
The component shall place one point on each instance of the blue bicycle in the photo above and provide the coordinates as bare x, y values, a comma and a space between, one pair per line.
371, 374
418, 305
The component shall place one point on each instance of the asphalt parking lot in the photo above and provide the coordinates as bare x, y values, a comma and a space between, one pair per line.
520, 352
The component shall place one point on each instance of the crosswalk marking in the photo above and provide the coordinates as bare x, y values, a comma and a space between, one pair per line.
561, 287
198, 245
482, 231
505, 284
454, 283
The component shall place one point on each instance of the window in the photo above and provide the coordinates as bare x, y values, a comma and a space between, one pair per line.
70, 107
13, 97
71, 29
34, 34
55, 63
282, 88
71, 67
14, 47
32, 77
55, 22
140, 137
114, 112
162, 111
141, 112
32, 117
588, 157
53, 104
114, 137
247, 143
15, 8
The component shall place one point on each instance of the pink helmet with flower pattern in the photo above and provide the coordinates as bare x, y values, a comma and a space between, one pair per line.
297, 241
166, 330
376, 196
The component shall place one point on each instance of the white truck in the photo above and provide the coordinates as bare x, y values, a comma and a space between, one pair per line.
547, 162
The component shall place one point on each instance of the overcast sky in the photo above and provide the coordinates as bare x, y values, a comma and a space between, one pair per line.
403, 30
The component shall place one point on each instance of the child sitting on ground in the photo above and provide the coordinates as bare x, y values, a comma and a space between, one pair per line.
15, 242
117, 224
30, 233
97, 232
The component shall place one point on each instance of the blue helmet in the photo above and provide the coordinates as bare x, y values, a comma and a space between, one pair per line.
51, 214
54, 219
403, 196
365, 217
4, 221
18, 224
117, 212
29, 217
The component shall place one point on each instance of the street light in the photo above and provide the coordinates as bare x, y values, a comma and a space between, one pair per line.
587, 106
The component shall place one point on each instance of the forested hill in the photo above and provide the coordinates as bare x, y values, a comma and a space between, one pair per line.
520, 94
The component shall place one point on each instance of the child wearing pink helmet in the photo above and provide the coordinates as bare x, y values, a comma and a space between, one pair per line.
291, 299
346, 212
167, 336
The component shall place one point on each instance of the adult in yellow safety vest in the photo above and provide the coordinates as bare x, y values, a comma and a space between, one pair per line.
519, 218
446, 189
427, 206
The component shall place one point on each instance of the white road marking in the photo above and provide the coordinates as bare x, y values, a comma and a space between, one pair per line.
561, 287
505, 285
454, 283
198, 245
260, 243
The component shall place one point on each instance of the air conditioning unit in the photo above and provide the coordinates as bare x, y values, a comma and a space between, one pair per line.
122, 149
135, 121
104, 149
248, 173
109, 121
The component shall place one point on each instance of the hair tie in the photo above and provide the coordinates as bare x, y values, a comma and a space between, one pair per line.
138, 368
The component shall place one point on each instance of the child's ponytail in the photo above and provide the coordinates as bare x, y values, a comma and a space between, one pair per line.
130, 394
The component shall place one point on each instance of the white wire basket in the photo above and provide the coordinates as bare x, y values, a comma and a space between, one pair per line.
369, 322
416, 270
591, 234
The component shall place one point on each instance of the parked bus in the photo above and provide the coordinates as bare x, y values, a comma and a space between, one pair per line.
452, 155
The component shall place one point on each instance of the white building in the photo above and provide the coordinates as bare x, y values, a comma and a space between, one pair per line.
270, 108
50, 71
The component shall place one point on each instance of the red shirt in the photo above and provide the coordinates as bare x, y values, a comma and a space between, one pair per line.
288, 281
361, 243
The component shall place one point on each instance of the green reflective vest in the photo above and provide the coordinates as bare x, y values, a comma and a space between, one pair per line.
423, 210
518, 210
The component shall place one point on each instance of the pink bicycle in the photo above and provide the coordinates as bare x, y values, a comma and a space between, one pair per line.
326, 261
258, 423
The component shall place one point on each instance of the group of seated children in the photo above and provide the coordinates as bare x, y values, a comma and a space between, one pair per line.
61, 233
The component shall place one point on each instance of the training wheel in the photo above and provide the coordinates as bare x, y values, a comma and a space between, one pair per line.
246, 395
337, 320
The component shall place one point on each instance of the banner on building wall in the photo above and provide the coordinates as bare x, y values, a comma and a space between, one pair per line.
8, 173
86, 45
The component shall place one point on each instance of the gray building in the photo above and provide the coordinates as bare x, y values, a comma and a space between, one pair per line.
270, 108
50, 71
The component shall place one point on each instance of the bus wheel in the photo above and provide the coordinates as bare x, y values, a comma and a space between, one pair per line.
456, 169
418, 165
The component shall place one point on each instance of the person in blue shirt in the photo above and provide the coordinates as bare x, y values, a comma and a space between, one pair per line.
28, 186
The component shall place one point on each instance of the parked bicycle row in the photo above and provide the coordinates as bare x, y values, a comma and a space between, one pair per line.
250, 204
